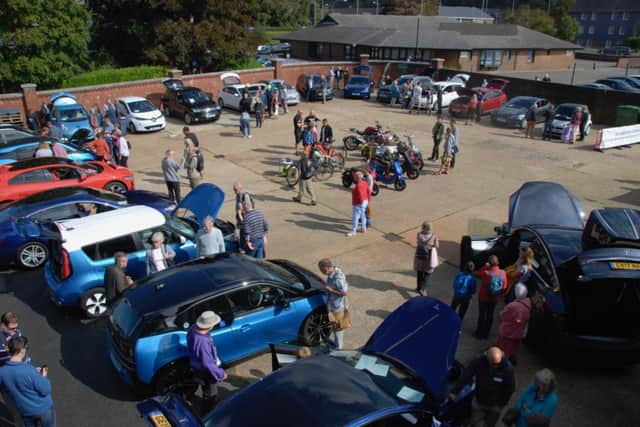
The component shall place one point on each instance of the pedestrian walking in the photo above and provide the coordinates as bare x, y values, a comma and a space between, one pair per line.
464, 287
514, 320
471, 109
305, 183
209, 240
203, 359
337, 287
531, 121
395, 94
494, 384
258, 108
269, 99
186, 131
326, 133
493, 283
282, 95
309, 87
191, 164
449, 142
537, 404
548, 115
116, 280
437, 132
245, 115
584, 119
170, 168
360, 196
255, 230
275, 102
298, 134
160, 256
123, 149
28, 386
425, 259
368, 177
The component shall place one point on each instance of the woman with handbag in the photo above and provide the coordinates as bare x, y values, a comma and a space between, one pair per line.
336, 287
536, 405
426, 258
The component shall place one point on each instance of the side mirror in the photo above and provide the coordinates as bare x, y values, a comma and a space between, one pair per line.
282, 300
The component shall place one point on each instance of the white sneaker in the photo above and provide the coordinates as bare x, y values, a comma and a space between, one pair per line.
249, 136
351, 234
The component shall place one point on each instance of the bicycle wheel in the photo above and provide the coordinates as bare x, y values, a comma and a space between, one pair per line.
324, 171
339, 159
293, 175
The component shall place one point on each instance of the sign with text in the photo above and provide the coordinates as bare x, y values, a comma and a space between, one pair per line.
617, 137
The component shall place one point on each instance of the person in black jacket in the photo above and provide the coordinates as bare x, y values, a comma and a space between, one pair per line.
326, 132
495, 383
306, 179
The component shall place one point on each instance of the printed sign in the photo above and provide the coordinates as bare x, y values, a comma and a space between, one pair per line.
617, 137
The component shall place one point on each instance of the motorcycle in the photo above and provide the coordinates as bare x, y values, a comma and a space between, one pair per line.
370, 133
413, 151
389, 172
348, 177
375, 148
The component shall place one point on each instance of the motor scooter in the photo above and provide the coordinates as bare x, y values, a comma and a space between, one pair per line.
389, 172
348, 177
369, 134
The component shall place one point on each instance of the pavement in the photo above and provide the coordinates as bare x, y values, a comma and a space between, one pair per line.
492, 163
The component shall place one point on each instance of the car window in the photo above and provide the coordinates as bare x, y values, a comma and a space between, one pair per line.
542, 264
65, 173
106, 249
32, 177
56, 213
257, 297
169, 237
219, 305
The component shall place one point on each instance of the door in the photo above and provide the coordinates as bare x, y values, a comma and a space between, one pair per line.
29, 182
102, 253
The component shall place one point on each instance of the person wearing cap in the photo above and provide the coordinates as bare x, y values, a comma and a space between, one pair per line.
203, 358
538, 402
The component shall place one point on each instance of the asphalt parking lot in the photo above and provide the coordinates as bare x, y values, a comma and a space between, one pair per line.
492, 164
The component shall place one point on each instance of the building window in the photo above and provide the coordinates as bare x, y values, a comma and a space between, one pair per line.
580, 29
621, 31
491, 58
348, 52
464, 54
402, 54
579, 42
386, 53
625, 16
374, 53
588, 43
612, 29
613, 16
395, 54
583, 16
592, 29
426, 54
531, 56
607, 43
593, 16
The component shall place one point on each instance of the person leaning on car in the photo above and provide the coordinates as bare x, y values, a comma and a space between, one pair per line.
116, 280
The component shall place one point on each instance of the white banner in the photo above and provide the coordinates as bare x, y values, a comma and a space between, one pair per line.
617, 137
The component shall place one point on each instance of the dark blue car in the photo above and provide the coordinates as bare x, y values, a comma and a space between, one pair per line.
25, 148
585, 282
358, 87
25, 242
401, 377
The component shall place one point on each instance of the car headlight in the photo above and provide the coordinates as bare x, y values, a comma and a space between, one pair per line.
520, 116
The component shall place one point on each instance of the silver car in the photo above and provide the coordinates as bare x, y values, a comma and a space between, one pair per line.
562, 118
293, 96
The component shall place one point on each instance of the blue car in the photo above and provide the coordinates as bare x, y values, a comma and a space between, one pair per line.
25, 242
260, 302
83, 247
358, 87
25, 148
401, 377
70, 118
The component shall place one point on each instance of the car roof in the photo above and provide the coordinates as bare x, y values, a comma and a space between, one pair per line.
128, 99
79, 232
313, 392
37, 162
55, 194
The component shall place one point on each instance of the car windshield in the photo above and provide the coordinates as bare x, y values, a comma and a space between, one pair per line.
196, 97
390, 377
125, 318
72, 114
12, 211
141, 106
359, 80
519, 103
183, 227
565, 112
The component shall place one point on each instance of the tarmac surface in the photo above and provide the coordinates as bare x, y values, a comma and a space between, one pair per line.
492, 163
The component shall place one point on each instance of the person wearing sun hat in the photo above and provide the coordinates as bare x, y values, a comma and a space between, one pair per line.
203, 358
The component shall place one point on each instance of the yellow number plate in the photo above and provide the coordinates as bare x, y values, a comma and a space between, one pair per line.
625, 265
159, 420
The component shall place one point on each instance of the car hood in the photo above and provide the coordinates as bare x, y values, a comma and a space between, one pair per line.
559, 123
203, 105
151, 199
423, 334
510, 111
205, 199
544, 203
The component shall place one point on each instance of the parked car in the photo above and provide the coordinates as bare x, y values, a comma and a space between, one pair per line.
586, 279
562, 118
358, 87
25, 148
71, 118
231, 93
84, 247
140, 114
514, 112
497, 84
596, 86
25, 177
260, 302
9, 132
316, 92
632, 81
384, 92
489, 99
26, 246
462, 78
188, 103
293, 96
399, 378
618, 85
449, 92
274, 48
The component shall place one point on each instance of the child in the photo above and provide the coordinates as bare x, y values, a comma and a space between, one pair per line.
464, 286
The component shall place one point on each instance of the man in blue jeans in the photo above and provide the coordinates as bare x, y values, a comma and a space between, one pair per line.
255, 229
28, 386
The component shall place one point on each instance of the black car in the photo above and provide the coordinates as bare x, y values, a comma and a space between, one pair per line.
9, 133
316, 92
585, 284
275, 48
189, 103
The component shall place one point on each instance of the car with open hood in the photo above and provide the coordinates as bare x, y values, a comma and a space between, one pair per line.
232, 90
188, 102
26, 147
71, 118
82, 248
562, 118
585, 280
259, 302
358, 86
514, 112
401, 377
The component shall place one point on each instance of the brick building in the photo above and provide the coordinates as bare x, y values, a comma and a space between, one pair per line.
463, 45
606, 23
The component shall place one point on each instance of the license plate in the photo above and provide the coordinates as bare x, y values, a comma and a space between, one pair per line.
159, 420
625, 265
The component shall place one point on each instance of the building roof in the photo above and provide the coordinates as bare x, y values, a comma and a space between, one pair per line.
462, 12
606, 6
434, 33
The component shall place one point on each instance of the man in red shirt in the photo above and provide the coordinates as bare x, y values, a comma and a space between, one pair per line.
492, 278
100, 147
359, 201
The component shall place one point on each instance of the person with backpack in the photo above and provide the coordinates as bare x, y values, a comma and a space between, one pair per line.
514, 319
493, 284
464, 287
308, 140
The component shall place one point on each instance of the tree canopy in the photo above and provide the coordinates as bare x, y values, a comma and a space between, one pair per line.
413, 7
558, 23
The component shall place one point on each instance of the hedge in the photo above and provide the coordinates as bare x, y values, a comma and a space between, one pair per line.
114, 75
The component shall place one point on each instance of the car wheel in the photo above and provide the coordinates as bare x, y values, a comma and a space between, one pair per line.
350, 143
187, 119
399, 185
94, 303
316, 328
220, 102
115, 187
175, 377
587, 130
347, 179
132, 128
32, 255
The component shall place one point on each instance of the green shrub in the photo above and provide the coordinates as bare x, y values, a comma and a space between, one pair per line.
244, 64
633, 42
114, 75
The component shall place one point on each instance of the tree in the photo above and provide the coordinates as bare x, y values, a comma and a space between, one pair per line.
535, 19
413, 7
41, 41
566, 25
281, 13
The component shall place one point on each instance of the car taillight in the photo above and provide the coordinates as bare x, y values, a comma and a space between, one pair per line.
65, 265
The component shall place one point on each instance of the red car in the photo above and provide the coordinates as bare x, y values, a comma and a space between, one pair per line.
21, 179
489, 99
